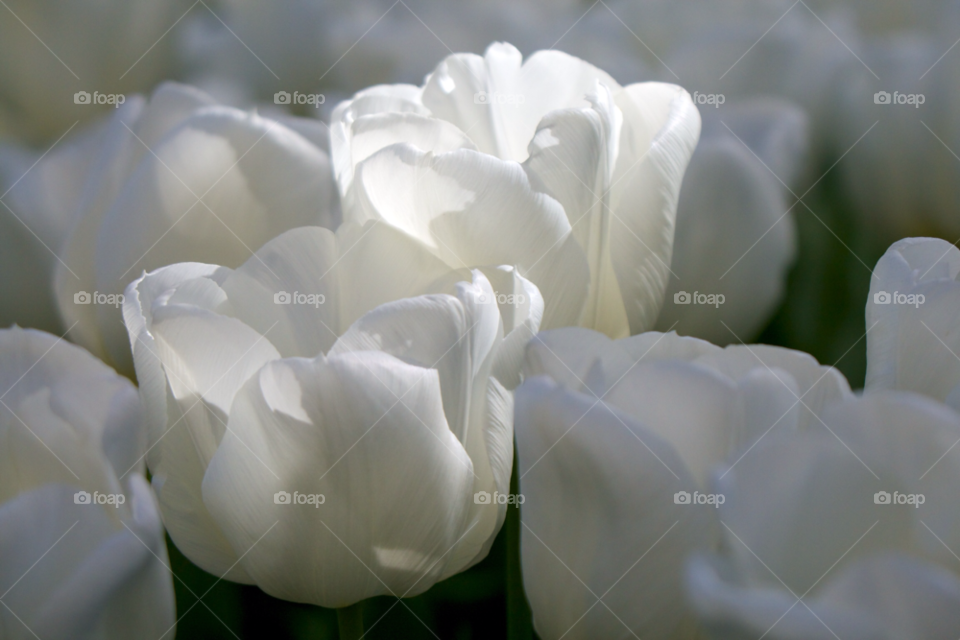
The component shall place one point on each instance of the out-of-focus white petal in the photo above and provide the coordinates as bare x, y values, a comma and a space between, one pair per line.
215, 189
735, 233
914, 300
600, 519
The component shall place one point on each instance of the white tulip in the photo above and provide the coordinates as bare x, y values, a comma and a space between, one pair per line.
848, 531
912, 338
549, 165
165, 180
736, 235
608, 442
34, 221
55, 48
82, 553
352, 370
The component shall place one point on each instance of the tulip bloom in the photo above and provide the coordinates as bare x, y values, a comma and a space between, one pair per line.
911, 313
82, 552
547, 164
843, 532
165, 180
322, 418
616, 444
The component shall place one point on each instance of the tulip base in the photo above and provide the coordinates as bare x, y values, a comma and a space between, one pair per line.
350, 622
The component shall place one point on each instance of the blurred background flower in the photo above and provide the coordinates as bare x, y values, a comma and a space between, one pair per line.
82, 553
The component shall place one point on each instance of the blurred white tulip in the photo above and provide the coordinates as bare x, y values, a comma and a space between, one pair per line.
353, 370
913, 340
165, 180
736, 235
845, 532
589, 214
53, 49
613, 438
82, 553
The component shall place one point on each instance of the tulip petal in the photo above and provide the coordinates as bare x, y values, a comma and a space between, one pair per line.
290, 290
76, 268
90, 577
599, 518
458, 337
215, 189
367, 432
370, 133
572, 157
498, 102
472, 209
817, 386
909, 344
660, 130
368, 273
881, 597
521, 310
735, 238
206, 359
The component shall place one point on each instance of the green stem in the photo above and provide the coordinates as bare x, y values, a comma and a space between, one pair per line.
519, 624
350, 621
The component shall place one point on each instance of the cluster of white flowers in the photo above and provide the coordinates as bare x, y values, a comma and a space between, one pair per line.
350, 326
